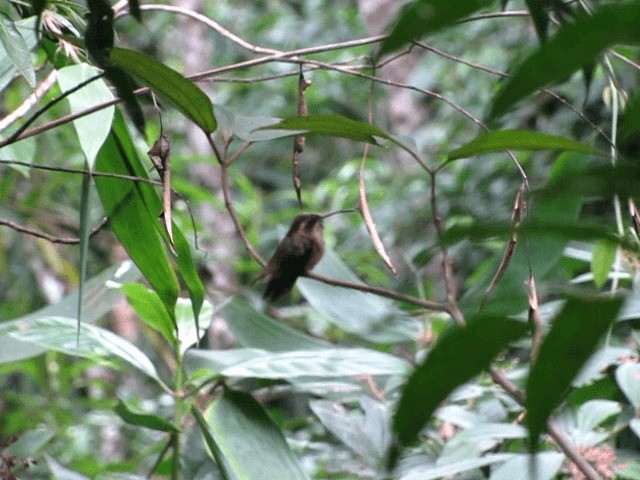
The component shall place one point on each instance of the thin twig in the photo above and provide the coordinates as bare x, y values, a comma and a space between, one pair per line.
47, 236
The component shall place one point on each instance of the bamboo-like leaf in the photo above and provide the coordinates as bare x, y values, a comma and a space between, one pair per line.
168, 84
573, 46
503, 140
572, 339
423, 17
84, 242
17, 49
604, 254
148, 420
445, 369
331, 125
149, 307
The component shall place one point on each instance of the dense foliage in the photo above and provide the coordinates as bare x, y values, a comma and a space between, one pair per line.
476, 319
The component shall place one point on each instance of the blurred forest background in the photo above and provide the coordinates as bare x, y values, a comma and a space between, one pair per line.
315, 386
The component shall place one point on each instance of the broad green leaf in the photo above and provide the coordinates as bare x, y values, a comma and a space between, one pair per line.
542, 466
128, 207
423, 17
7, 68
183, 94
450, 469
604, 254
30, 442
17, 49
256, 330
149, 307
215, 361
627, 376
367, 434
58, 472
133, 417
364, 314
331, 125
503, 140
251, 443
336, 362
22, 151
190, 330
92, 130
98, 300
573, 46
60, 334
445, 369
572, 339
594, 412
214, 450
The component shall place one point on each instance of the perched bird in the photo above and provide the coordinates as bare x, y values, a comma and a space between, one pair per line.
298, 252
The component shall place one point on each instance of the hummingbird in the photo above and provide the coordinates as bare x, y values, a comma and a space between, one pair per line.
299, 251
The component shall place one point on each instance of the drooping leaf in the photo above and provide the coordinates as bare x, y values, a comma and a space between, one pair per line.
133, 213
245, 433
17, 49
7, 68
423, 17
445, 368
327, 363
573, 46
149, 307
363, 314
214, 450
627, 377
60, 334
97, 297
148, 420
124, 86
189, 274
543, 466
191, 330
255, 329
572, 339
503, 140
168, 84
331, 125
604, 254
84, 242
92, 130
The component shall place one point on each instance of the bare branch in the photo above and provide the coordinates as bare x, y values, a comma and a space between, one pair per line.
47, 236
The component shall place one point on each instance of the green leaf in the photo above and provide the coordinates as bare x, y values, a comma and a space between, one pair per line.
93, 129
604, 254
334, 362
257, 330
149, 307
538, 12
96, 294
124, 86
132, 417
191, 330
245, 433
573, 46
60, 334
627, 376
7, 68
17, 49
503, 140
58, 472
449, 470
133, 210
30, 442
214, 450
183, 94
572, 339
21, 151
423, 17
542, 466
331, 125
445, 369
364, 314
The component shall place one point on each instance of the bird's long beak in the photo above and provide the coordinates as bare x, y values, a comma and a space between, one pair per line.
346, 210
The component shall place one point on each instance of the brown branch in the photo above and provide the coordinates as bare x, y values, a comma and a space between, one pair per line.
47, 236
30, 101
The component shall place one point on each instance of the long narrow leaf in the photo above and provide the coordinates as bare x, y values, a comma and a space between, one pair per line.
461, 354
17, 49
573, 46
183, 94
572, 339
